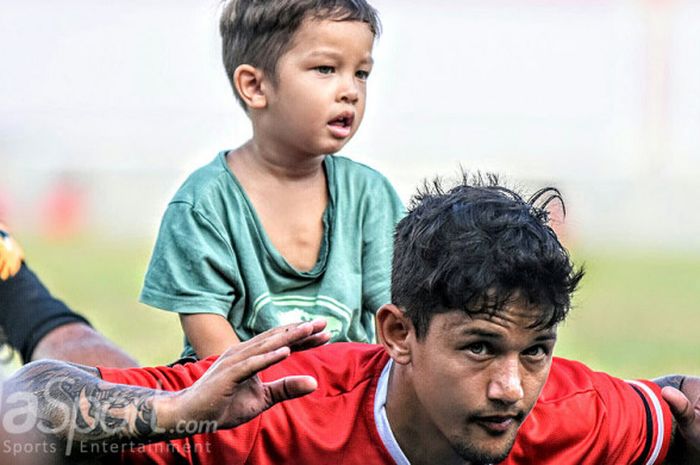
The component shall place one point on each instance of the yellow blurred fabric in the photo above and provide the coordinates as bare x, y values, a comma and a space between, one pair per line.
11, 254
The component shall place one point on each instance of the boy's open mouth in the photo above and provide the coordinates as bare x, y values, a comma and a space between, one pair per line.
341, 125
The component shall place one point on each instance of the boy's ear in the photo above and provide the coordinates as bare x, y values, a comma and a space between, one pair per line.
395, 331
249, 85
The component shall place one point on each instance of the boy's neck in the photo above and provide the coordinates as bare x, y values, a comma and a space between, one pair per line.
268, 160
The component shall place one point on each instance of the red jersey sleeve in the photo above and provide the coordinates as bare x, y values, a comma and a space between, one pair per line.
585, 418
640, 422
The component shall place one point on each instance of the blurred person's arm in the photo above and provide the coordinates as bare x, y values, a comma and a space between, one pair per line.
38, 325
81, 344
208, 333
682, 393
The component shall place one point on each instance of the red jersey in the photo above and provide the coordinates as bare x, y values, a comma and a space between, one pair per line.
582, 417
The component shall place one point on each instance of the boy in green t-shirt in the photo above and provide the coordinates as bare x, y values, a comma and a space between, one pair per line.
279, 230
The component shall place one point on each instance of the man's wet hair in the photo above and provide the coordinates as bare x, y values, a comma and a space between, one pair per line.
259, 32
478, 246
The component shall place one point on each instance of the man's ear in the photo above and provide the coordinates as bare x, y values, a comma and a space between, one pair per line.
248, 81
396, 332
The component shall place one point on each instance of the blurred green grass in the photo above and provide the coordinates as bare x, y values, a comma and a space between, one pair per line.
636, 314
102, 279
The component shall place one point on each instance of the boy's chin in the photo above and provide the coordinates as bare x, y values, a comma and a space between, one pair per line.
334, 146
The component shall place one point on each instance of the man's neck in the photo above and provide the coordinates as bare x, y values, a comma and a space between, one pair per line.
418, 438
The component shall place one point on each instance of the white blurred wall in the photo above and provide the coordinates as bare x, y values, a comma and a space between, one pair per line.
601, 98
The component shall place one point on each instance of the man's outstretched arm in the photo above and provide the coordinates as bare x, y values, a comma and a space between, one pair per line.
74, 404
682, 393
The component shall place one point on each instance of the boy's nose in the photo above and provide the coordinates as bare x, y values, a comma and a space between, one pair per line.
349, 91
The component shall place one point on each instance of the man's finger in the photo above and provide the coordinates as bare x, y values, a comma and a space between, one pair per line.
680, 405
293, 333
290, 387
312, 341
271, 340
252, 365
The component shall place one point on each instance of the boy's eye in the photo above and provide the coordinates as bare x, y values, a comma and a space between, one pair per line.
362, 74
325, 69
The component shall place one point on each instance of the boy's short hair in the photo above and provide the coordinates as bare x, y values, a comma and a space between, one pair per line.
476, 247
259, 32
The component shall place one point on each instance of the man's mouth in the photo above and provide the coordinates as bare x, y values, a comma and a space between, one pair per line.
341, 125
498, 424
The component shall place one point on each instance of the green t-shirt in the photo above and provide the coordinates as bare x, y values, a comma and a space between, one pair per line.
212, 255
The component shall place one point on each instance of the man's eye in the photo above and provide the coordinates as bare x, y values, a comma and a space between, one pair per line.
477, 348
325, 69
536, 351
361, 74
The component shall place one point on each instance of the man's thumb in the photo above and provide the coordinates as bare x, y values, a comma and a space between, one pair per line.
679, 404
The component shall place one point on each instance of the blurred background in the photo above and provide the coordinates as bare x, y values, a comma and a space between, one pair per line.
105, 107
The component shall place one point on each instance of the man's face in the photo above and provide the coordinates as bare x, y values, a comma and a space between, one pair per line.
476, 378
319, 99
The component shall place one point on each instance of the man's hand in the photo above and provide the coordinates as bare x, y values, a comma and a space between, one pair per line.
685, 405
74, 405
231, 393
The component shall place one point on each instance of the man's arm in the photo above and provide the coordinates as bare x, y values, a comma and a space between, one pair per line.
72, 403
682, 393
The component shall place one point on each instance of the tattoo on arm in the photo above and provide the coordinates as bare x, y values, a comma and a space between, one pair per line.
74, 404
675, 381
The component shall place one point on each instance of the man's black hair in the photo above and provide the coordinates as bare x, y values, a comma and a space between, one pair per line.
476, 247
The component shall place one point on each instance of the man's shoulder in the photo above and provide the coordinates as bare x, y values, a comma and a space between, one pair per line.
339, 367
567, 378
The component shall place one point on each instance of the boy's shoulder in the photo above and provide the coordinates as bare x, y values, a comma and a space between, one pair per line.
204, 182
356, 172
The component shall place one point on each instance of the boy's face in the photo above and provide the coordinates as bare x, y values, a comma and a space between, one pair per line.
477, 377
319, 99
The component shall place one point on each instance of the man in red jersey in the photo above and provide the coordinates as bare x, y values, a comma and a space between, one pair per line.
465, 374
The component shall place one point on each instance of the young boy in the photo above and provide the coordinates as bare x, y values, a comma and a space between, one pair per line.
279, 230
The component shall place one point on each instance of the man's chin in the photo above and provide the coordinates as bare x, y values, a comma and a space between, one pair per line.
488, 451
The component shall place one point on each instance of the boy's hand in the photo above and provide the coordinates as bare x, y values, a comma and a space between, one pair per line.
11, 255
230, 392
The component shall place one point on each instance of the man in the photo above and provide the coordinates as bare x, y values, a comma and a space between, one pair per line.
465, 374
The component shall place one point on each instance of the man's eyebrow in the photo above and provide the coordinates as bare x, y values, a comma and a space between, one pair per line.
546, 336
480, 332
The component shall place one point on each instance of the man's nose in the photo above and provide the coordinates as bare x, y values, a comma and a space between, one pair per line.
506, 382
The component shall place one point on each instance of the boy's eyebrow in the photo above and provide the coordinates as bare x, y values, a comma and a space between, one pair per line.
337, 55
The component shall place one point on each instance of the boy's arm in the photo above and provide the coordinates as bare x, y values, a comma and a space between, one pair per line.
208, 333
682, 393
